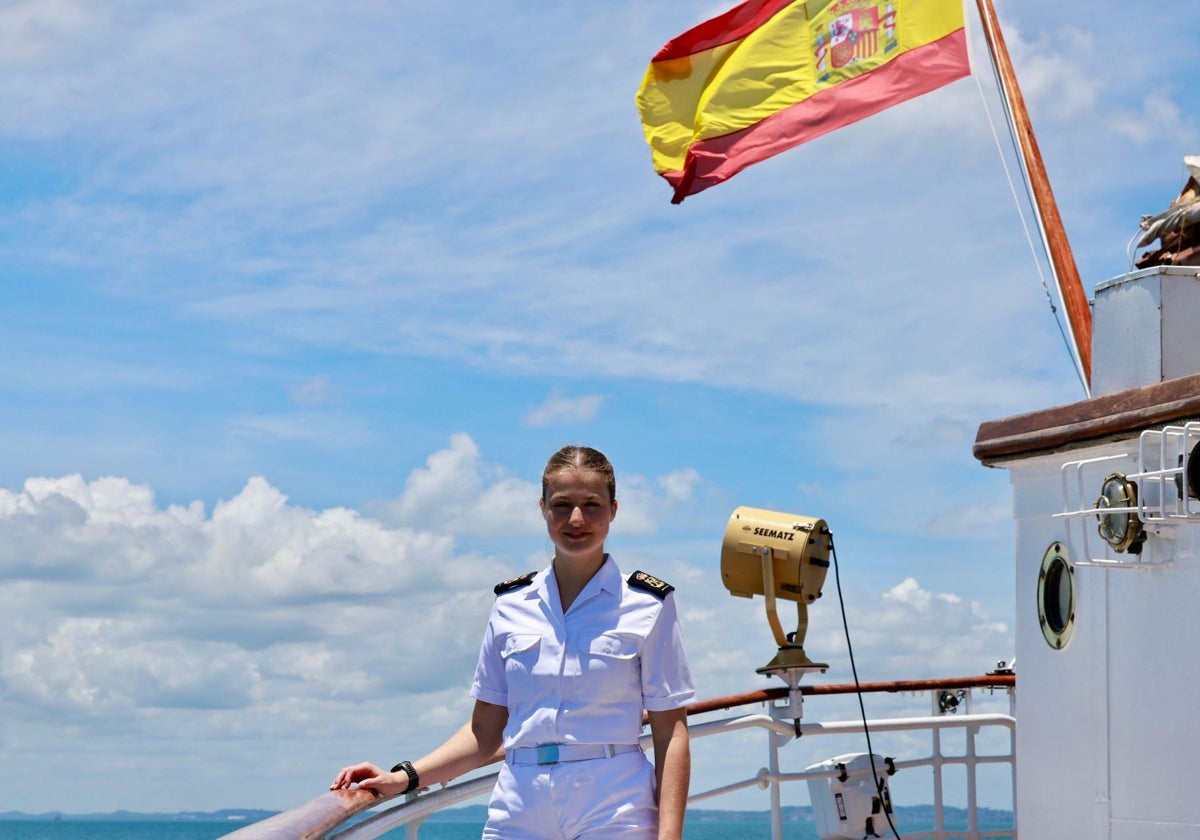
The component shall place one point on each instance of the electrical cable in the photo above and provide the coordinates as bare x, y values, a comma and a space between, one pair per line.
837, 577
1131, 249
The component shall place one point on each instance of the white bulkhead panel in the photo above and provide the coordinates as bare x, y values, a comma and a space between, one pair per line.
1153, 681
1107, 714
1062, 701
1102, 721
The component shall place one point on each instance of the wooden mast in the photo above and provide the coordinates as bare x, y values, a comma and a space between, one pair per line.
1070, 287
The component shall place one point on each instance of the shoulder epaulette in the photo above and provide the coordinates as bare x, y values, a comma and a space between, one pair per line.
651, 584
514, 583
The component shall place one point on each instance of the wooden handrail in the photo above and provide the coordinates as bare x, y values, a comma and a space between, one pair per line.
1123, 414
893, 686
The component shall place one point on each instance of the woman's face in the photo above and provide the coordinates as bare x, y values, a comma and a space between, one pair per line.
578, 511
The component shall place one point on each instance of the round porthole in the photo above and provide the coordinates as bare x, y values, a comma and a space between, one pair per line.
1056, 596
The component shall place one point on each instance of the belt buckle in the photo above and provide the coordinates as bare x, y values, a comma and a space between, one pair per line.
547, 753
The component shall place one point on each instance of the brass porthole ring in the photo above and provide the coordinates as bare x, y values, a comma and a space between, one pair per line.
1056, 596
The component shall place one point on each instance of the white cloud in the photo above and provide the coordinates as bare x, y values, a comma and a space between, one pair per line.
458, 492
964, 520
679, 485
311, 426
121, 615
453, 492
647, 505
1159, 117
1055, 68
136, 628
316, 391
959, 637
909, 592
101, 666
31, 30
903, 632
562, 409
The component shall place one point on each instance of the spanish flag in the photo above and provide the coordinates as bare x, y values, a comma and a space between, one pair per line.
771, 74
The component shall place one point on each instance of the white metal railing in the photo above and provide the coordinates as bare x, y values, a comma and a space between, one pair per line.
415, 809
1161, 478
1162, 493
1078, 508
772, 777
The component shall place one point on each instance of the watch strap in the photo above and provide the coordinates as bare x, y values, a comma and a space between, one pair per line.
414, 781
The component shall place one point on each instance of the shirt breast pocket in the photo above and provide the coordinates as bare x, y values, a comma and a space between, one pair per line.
612, 668
520, 654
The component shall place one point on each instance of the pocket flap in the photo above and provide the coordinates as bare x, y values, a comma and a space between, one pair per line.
614, 645
518, 642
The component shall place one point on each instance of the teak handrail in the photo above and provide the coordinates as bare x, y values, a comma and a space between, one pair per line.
891, 686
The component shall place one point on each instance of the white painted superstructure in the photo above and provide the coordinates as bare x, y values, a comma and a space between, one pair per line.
1108, 721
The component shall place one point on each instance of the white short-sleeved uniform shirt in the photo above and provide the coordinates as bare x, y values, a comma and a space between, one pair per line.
584, 677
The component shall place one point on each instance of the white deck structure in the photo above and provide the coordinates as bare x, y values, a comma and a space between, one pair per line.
1106, 640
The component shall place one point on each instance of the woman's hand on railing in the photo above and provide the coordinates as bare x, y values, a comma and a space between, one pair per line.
367, 775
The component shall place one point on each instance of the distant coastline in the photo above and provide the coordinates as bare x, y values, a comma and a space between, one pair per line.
247, 815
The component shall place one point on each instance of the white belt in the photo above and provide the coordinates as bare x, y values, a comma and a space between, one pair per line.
554, 753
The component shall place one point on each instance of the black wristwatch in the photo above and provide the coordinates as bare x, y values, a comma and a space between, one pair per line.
414, 781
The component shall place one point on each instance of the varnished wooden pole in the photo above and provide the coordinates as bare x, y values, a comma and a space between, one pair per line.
1079, 315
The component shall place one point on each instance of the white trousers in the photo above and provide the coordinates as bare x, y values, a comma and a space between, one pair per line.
597, 799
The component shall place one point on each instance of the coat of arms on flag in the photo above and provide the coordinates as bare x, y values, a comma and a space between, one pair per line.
851, 33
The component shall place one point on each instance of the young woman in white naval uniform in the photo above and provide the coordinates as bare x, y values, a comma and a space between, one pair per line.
571, 658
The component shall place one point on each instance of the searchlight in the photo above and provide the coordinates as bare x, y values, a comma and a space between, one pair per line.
779, 556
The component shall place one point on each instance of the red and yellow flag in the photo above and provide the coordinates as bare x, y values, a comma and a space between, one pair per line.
771, 74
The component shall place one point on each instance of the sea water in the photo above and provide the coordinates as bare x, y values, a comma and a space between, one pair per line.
80, 829
201, 830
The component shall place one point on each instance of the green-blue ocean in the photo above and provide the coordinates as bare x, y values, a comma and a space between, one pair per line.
707, 827
105, 830
82, 830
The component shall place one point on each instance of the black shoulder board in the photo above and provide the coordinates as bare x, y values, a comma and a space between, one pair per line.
651, 584
514, 583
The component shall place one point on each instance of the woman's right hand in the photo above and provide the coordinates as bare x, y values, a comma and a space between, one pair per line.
367, 775
475, 744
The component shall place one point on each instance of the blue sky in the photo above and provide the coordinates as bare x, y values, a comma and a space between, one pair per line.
298, 298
